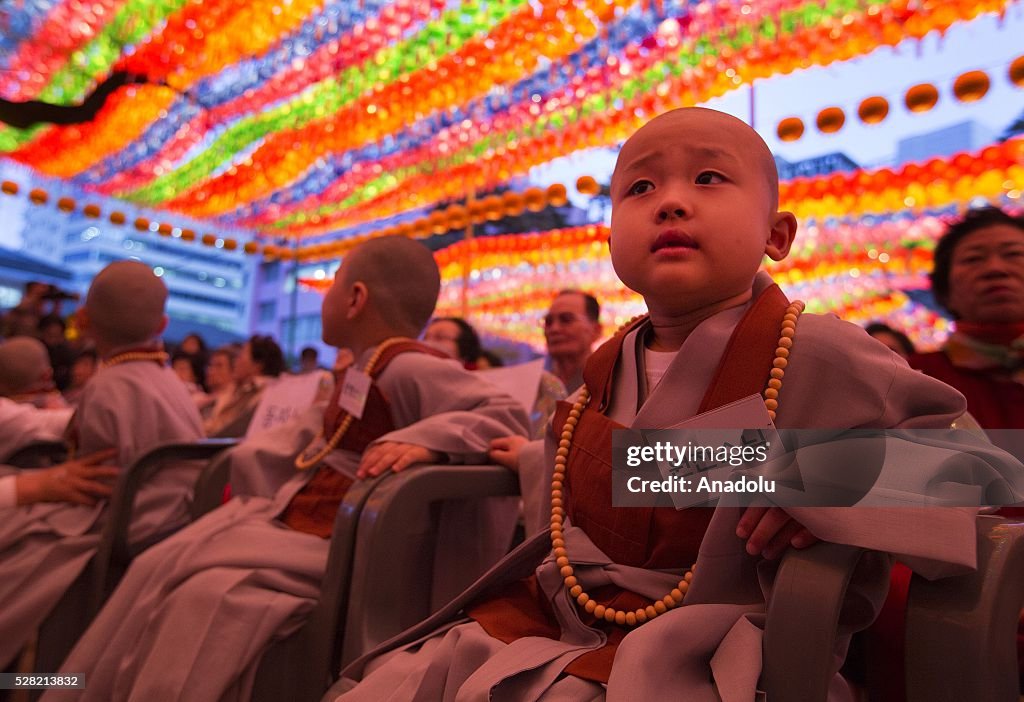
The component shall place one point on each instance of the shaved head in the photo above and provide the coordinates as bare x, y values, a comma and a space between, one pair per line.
688, 123
24, 362
125, 304
401, 277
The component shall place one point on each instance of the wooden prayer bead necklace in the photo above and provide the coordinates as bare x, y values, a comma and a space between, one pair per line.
129, 356
302, 462
678, 593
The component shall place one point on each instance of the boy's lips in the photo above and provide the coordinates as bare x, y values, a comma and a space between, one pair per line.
673, 239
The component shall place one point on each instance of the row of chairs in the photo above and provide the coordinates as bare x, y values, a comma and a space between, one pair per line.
960, 632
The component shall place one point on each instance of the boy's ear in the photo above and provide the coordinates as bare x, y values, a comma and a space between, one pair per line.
359, 295
781, 235
163, 325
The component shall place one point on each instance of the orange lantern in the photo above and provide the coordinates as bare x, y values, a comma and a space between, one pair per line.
476, 211
271, 251
38, 196
534, 199
9, 187
494, 208
557, 195
831, 120
91, 211
971, 86
873, 110
421, 228
208, 239
142, 224
586, 185
513, 203
921, 98
66, 204
1016, 72
230, 245
250, 247
790, 129
457, 217
117, 218
188, 235
438, 222
164, 229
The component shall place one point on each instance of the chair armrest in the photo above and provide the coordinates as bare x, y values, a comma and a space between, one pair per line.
208, 493
961, 631
802, 623
395, 547
114, 549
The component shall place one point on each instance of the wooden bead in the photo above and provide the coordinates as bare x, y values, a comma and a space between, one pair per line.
599, 611
609, 614
556, 494
556, 485
782, 352
641, 616
676, 595
787, 334
620, 618
770, 394
577, 590
582, 597
650, 611
572, 421
590, 606
558, 543
771, 415
789, 324
683, 586
562, 562
560, 552
689, 576
789, 317
771, 405
669, 601
778, 373
574, 413
775, 384
556, 534
571, 582
565, 442
562, 452
786, 342
566, 571
660, 607
780, 363
559, 511
631, 619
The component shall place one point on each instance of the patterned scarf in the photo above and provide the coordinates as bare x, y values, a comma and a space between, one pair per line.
997, 348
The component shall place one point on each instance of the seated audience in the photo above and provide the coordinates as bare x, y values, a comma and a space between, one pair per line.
896, 340
258, 363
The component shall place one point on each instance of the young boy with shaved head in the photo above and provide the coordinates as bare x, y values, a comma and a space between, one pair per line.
30, 408
695, 211
133, 404
194, 614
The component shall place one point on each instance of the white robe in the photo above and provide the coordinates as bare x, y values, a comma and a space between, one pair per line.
710, 648
21, 424
194, 614
43, 548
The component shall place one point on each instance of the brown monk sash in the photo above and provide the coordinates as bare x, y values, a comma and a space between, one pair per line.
315, 506
647, 537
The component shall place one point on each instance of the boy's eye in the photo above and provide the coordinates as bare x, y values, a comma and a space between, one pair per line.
709, 178
640, 187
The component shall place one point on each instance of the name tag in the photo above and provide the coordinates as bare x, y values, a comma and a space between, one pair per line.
354, 391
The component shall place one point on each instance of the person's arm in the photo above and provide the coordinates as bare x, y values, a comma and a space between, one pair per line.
80, 482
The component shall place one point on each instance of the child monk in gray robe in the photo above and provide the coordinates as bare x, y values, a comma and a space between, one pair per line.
194, 614
591, 606
133, 404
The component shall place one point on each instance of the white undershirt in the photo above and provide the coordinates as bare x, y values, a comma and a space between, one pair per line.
656, 363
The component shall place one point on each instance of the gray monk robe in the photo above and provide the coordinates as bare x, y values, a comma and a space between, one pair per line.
193, 615
526, 639
132, 406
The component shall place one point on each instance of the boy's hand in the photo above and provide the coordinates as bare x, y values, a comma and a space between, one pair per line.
79, 482
505, 451
769, 531
395, 456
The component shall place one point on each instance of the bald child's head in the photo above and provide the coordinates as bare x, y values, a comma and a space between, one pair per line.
401, 283
125, 304
684, 122
24, 365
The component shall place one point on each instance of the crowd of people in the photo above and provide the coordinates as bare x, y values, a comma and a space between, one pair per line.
641, 602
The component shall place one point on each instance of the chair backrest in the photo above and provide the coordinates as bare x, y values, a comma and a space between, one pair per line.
115, 552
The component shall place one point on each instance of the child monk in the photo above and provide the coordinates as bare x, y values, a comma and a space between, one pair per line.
133, 404
194, 614
31, 409
695, 210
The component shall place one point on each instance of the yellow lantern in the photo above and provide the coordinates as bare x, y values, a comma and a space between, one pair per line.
831, 120
586, 185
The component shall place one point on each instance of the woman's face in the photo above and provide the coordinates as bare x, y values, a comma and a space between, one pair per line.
245, 367
183, 368
218, 371
443, 335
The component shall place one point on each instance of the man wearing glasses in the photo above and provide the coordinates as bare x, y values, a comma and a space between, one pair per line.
571, 328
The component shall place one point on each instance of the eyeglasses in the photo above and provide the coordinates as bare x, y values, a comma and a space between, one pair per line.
563, 318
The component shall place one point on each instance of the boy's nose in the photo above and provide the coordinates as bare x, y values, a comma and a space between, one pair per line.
671, 210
